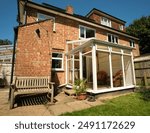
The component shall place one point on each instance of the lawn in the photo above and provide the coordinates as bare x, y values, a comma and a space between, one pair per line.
136, 104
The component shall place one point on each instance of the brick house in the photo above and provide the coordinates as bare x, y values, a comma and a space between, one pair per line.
66, 46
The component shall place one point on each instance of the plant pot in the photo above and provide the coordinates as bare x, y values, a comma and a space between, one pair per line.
82, 96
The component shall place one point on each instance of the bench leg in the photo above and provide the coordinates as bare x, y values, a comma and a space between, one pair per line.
50, 94
52, 97
12, 99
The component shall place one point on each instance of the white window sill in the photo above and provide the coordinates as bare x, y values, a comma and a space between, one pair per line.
58, 70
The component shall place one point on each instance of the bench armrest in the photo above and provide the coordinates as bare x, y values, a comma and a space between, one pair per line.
52, 83
12, 86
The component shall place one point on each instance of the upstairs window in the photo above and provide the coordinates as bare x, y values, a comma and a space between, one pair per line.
132, 44
106, 22
86, 32
112, 38
121, 27
57, 61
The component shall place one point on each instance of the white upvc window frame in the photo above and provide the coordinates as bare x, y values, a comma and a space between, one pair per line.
105, 21
46, 17
121, 27
85, 28
132, 43
115, 36
60, 59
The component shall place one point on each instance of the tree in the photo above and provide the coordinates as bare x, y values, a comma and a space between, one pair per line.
141, 28
5, 42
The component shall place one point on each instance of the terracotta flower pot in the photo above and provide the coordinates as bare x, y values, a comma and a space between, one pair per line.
82, 96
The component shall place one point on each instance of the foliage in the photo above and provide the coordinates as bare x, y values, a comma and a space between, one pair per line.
5, 42
80, 86
141, 28
129, 105
145, 94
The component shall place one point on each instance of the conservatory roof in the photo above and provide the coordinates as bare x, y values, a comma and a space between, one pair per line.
87, 42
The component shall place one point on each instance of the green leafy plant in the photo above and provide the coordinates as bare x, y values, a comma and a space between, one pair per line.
80, 86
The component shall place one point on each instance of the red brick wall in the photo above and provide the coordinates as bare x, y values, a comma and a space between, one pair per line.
30, 62
33, 53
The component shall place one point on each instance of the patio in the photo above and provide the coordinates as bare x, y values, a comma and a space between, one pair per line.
63, 104
40, 106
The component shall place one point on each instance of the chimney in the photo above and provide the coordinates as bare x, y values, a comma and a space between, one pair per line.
69, 9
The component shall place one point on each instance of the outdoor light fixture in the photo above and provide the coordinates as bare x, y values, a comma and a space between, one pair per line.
38, 32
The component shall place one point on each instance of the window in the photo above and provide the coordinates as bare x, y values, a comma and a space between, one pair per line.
41, 17
57, 61
132, 44
112, 38
121, 27
106, 22
86, 32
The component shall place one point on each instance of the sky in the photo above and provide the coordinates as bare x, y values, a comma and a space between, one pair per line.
127, 10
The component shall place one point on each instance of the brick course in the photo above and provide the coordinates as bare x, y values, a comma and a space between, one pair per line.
33, 53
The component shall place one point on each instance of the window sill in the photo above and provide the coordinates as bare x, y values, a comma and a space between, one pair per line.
58, 70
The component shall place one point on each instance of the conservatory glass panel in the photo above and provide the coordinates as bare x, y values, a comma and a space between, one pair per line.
103, 70
128, 70
117, 70
70, 72
76, 66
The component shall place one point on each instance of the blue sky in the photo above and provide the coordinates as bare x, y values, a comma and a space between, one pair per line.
127, 10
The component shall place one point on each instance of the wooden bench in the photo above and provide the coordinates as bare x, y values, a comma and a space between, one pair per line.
31, 85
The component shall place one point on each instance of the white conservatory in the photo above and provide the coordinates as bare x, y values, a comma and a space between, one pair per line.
106, 66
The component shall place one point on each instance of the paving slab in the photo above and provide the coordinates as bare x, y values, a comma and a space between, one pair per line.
60, 109
62, 98
78, 105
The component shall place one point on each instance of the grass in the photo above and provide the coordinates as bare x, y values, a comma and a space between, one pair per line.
136, 104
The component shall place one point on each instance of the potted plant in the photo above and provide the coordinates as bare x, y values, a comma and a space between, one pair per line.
80, 87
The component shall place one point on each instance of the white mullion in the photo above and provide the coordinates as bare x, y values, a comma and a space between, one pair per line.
119, 53
123, 70
73, 69
133, 71
110, 68
94, 67
127, 54
87, 52
67, 69
81, 64
106, 51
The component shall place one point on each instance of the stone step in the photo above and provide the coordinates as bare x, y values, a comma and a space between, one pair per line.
69, 92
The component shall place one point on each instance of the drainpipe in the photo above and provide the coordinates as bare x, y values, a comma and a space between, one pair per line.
13, 59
